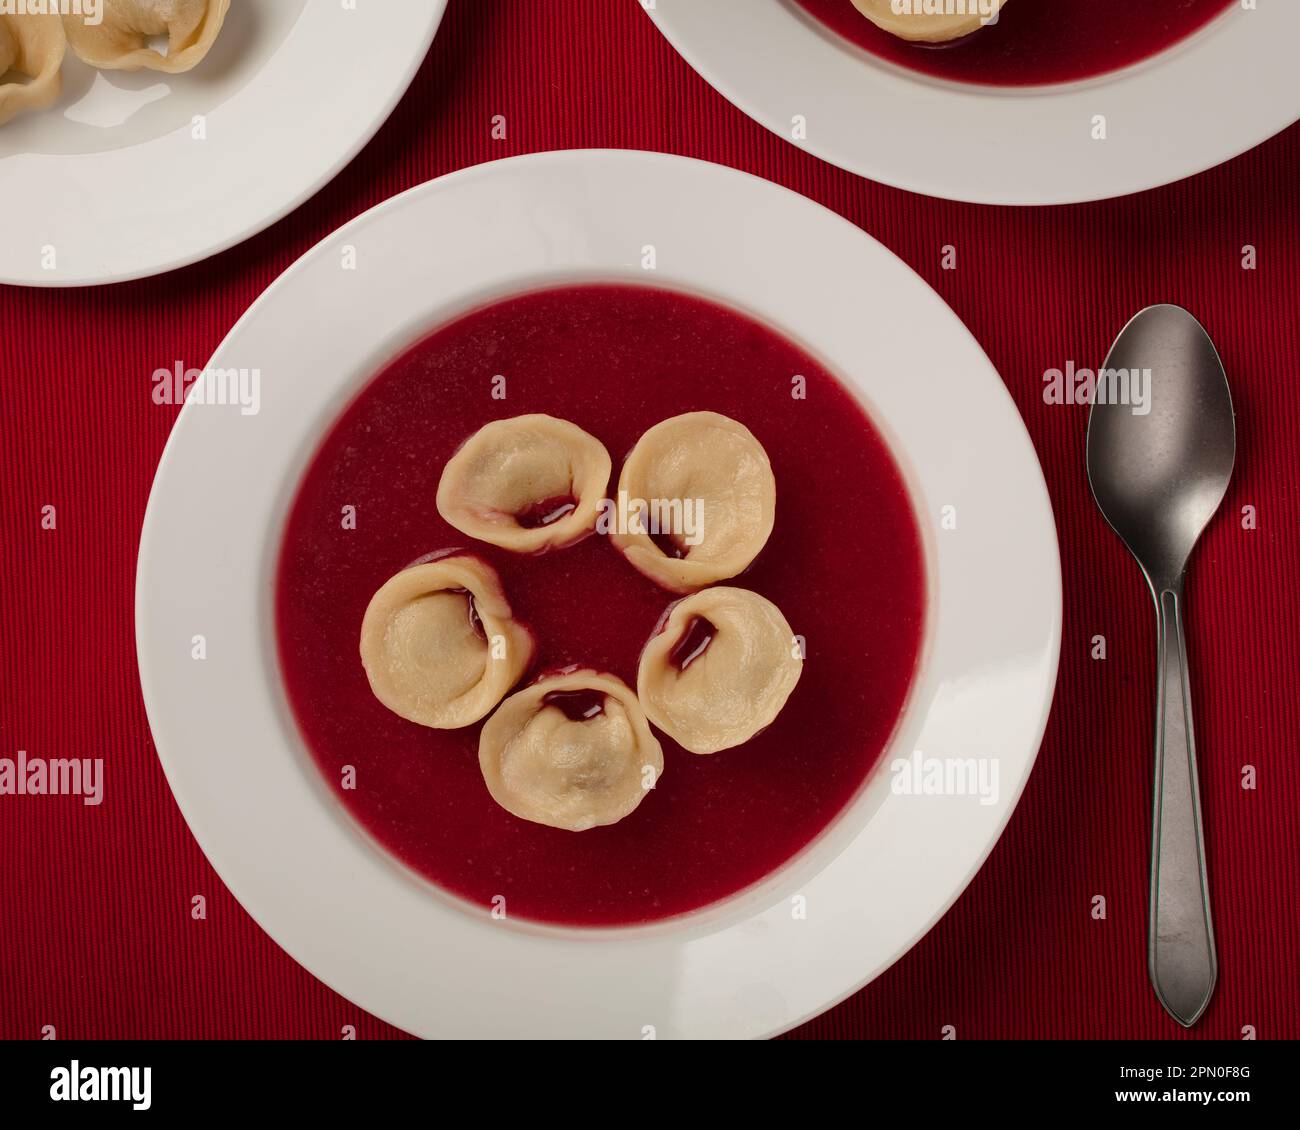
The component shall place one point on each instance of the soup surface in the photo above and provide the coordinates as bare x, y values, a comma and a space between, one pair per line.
844, 563
1034, 42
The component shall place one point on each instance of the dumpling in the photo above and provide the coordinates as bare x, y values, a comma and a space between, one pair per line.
439, 644
527, 484
707, 499
31, 62
719, 670
120, 41
927, 22
572, 751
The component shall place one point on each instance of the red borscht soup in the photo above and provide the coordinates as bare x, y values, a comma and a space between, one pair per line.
1034, 42
844, 564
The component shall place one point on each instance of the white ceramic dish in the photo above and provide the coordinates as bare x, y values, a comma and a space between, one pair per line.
112, 182
1226, 89
392, 943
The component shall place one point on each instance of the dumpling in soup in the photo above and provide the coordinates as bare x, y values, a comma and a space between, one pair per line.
527, 484
701, 498
440, 645
572, 751
926, 21
719, 670
121, 41
31, 62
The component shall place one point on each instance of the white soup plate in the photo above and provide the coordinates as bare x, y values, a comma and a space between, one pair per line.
1223, 90
817, 929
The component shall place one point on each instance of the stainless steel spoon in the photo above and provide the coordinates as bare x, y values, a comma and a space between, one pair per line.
1158, 478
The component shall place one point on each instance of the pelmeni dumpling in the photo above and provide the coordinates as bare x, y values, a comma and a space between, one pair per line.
928, 21
440, 645
572, 751
31, 62
707, 477
121, 40
527, 484
719, 670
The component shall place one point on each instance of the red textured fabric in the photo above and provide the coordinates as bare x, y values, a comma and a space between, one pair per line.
96, 937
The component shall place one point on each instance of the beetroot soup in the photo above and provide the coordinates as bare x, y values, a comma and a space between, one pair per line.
1034, 42
844, 563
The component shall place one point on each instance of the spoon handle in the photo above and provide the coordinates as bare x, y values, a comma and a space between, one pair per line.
1181, 944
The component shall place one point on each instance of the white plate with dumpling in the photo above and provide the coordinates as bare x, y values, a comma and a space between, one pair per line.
807, 933
895, 112
138, 136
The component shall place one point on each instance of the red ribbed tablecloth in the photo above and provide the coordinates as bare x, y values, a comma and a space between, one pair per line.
96, 935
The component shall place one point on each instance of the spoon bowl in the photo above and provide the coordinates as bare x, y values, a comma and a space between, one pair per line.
1160, 469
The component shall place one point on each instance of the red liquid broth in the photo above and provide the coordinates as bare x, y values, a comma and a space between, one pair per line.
1034, 42
844, 564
